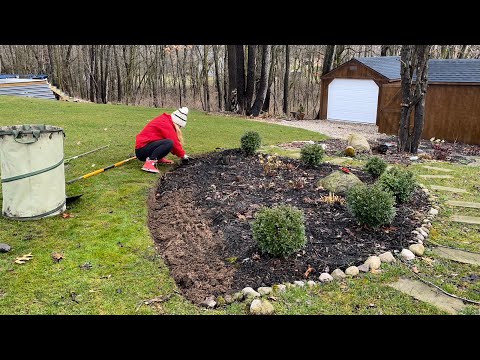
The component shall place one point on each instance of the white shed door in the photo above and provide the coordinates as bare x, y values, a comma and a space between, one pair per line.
352, 100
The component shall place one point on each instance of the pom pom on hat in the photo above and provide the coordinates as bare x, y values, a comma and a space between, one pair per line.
179, 116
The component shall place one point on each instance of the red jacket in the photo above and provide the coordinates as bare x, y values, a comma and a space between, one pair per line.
161, 127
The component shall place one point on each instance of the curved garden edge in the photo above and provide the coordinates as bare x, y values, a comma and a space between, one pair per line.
189, 218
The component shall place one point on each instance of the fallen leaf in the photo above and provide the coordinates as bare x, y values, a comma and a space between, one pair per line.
428, 260
273, 298
241, 217
66, 215
415, 270
105, 129
307, 273
23, 259
93, 165
249, 214
78, 142
375, 271
255, 257
389, 228
350, 232
57, 256
106, 276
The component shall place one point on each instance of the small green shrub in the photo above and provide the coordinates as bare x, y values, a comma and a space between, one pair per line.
375, 166
399, 182
312, 154
371, 205
250, 142
280, 230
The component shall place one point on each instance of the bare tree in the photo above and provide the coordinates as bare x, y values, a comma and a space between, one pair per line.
414, 61
250, 78
240, 59
262, 91
217, 76
285, 81
232, 74
328, 58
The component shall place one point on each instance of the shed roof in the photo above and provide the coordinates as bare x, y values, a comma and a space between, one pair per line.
439, 70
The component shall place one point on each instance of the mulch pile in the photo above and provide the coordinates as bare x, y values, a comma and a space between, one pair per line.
200, 218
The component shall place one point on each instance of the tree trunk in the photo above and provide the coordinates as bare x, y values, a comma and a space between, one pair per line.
339, 49
225, 80
285, 79
250, 78
51, 65
257, 105
240, 59
205, 78
414, 59
271, 75
91, 74
384, 50
217, 76
327, 59
420, 95
119, 76
232, 75
462, 52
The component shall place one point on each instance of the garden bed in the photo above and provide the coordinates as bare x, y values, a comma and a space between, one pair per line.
200, 215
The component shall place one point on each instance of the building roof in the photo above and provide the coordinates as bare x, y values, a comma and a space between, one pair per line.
35, 88
439, 70
388, 66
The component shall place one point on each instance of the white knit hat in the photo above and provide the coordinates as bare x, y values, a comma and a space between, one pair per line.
179, 116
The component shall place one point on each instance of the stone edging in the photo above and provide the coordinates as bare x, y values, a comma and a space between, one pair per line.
372, 264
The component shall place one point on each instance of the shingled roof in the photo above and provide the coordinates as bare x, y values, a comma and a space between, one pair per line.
439, 70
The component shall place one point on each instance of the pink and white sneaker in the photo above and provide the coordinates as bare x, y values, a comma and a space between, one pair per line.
150, 166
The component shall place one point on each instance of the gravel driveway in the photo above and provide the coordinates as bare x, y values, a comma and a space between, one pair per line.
335, 129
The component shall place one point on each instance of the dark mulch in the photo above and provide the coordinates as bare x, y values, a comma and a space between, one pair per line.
455, 152
200, 219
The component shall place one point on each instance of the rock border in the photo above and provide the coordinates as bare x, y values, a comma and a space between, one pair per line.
260, 306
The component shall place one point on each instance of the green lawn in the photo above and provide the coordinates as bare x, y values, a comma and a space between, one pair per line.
108, 227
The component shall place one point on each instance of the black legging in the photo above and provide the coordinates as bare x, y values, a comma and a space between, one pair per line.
154, 150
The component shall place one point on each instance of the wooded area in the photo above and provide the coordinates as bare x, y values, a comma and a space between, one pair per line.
267, 78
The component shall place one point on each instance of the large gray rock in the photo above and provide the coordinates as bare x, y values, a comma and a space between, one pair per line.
248, 291
338, 274
386, 257
352, 271
311, 283
373, 262
264, 290
417, 249
364, 267
209, 302
407, 254
261, 307
339, 182
422, 232
4, 248
238, 296
280, 288
325, 277
359, 142
299, 283
433, 212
